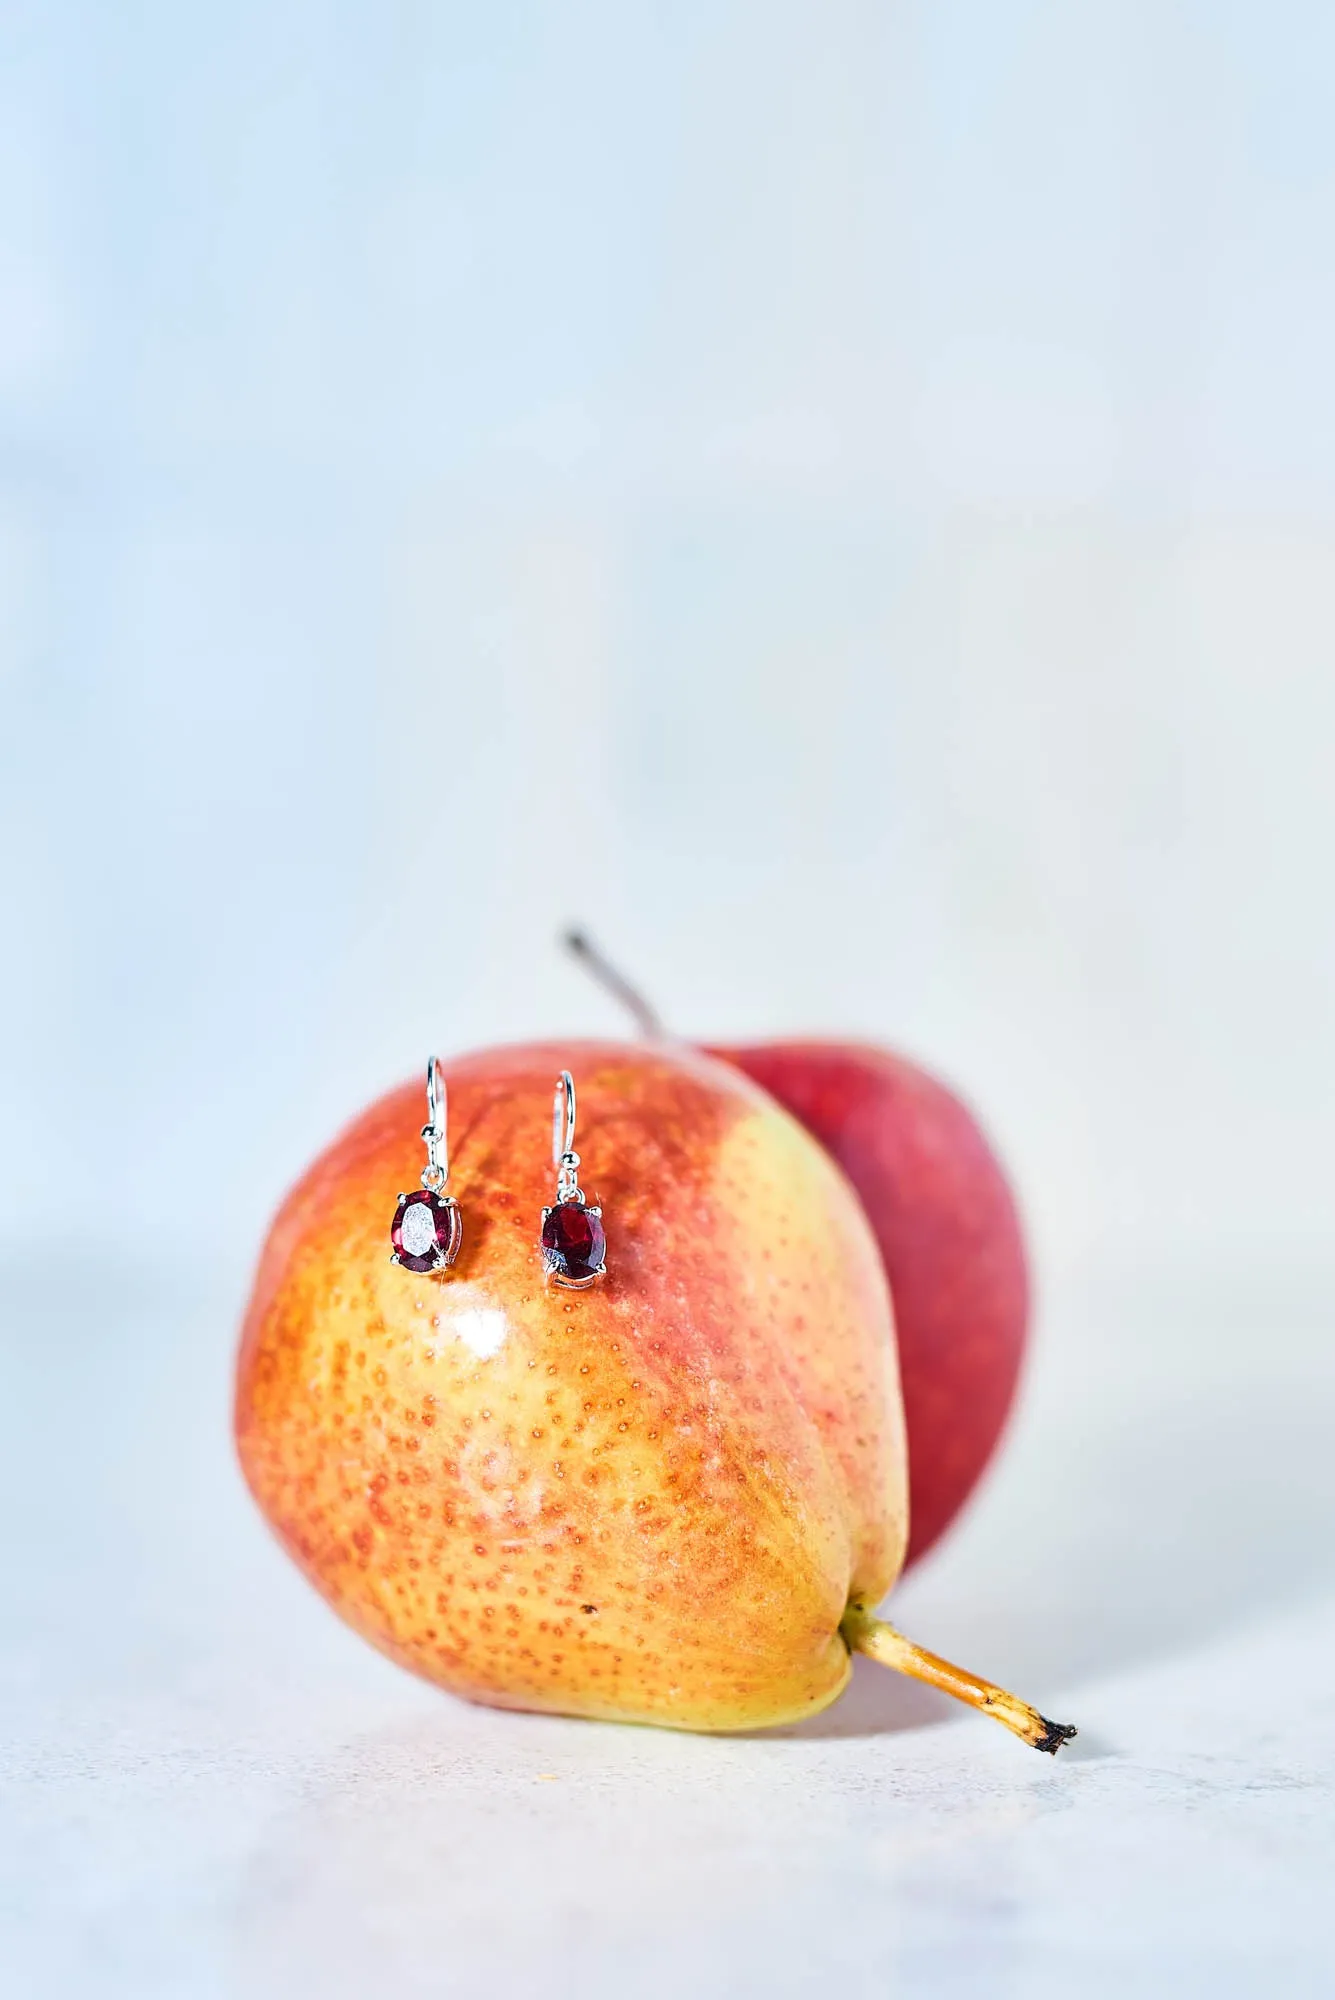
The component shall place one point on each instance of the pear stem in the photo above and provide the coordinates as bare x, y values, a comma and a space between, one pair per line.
581, 946
864, 1634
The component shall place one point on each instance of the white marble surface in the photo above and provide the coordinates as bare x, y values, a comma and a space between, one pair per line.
209, 1788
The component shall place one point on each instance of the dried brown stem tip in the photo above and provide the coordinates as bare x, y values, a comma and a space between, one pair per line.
864, 1634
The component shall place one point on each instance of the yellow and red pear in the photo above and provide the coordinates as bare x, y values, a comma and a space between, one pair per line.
672, 1498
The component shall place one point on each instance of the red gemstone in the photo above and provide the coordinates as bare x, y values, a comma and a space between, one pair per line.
426, 1231
573, 1243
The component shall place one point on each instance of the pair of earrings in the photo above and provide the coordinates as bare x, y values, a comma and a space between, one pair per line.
427, 1229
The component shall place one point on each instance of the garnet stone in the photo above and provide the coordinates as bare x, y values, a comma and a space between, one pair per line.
573, 1243
426, 1231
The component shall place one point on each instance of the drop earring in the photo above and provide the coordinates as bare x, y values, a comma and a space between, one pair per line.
574, 1247
427, 1228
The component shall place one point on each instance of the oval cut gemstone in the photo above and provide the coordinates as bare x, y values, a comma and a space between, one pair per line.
573, 1243
426, 1231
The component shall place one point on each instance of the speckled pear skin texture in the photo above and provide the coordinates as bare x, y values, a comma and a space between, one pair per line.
649, 1502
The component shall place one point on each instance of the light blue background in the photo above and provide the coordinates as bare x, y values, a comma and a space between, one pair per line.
840, 497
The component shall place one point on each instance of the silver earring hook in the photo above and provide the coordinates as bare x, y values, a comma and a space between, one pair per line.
564, 1155
563, 1117
437, 1169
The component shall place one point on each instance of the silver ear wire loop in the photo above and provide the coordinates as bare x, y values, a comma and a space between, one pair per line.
564, 1156
437, 1169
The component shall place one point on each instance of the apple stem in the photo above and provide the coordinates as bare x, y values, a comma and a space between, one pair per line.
581, 946
864, 1634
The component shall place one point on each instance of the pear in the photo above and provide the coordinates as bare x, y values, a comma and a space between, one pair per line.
673, 1498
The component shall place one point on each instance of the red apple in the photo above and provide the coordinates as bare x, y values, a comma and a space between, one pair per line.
945, 1220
